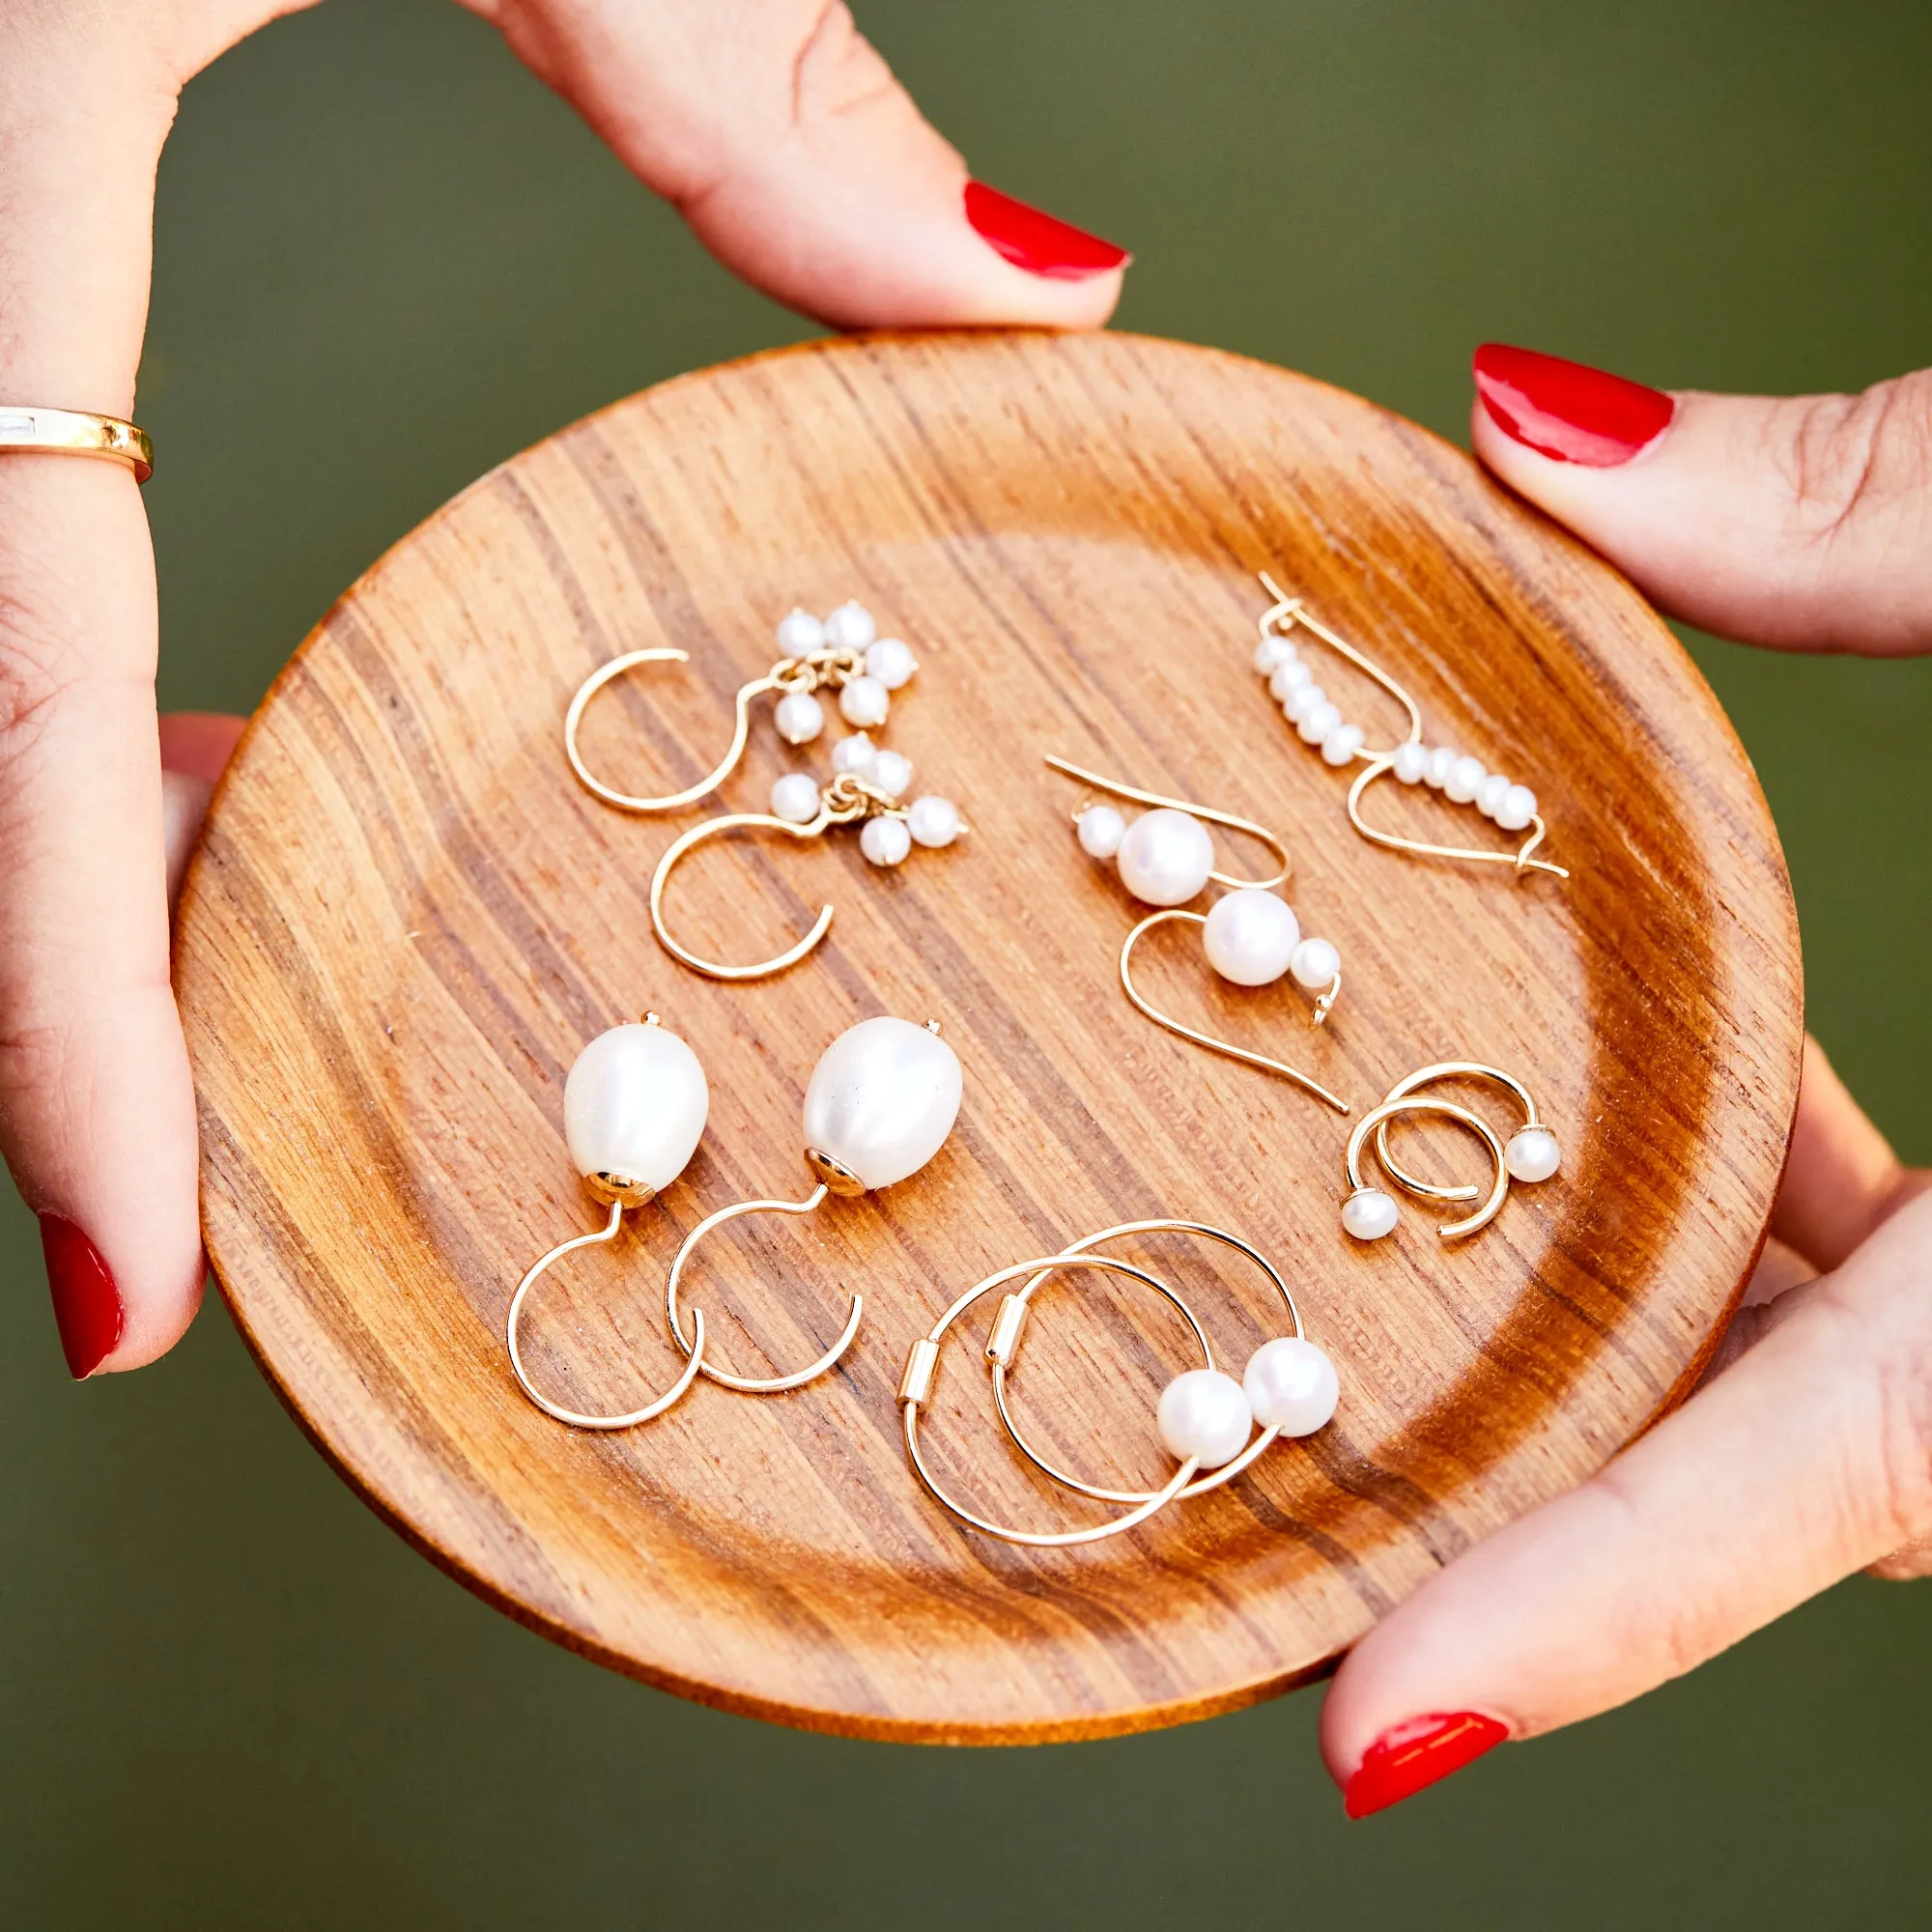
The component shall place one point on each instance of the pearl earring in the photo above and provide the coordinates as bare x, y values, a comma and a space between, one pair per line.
635, 1104
879, 1106
843, 652
1250, 936
1317, 720
887, 832
1531, 1154
1205, 1418
1369, 1212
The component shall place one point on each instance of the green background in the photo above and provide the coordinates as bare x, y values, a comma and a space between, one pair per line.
387, 258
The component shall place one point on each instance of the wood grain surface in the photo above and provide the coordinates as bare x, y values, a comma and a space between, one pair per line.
405, 920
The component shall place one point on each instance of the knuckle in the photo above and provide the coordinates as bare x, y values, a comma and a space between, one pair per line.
40, 658
1903, 1422
1850, 459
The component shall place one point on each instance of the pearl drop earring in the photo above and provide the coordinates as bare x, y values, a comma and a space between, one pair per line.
879, 1106
800, 809
1205, 1418
841, 653
1250, 936
1317, 721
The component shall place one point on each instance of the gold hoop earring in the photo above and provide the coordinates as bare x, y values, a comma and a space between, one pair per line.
1531, 1154
879, 1106
888, 832
1317, 720
1369, 1213
841, 653
635, 1104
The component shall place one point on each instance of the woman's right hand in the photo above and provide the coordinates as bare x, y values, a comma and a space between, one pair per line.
786, 144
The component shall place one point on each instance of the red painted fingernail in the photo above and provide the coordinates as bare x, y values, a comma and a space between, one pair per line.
1567, 409
1408, 1756
1041, 243
87, 1305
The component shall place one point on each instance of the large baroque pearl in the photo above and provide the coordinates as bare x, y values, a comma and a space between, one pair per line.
635, 1106
1250, 936
1165, 856
882, 1100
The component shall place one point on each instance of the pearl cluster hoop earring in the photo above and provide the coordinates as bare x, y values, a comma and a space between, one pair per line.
841, 653
1205, 1418
1317, 720
1250, 936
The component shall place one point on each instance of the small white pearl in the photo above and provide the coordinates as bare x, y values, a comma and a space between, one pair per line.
1290, 1385
1341, 743
934, 821
892, 773
883, 1098
1314, 725
1410, 759
800, 634
1465, 775
1369, 1215
1165, 856
795, 799
864, 701
1436, 766
1517, 809
1101, 829
799, 716
850, 628
634, 1105
891, 661
856, 755
1490, 794
1532, 1154
1314, 963
1303, 700
1272, 650
885, 841
1249, 936
1288, 677
1204, 1414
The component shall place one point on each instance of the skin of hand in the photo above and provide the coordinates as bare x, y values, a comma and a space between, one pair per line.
1807, 1453
794, 154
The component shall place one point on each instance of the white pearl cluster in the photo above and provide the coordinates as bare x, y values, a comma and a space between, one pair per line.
1316, 717
865, 701
1289, 1384
887, 837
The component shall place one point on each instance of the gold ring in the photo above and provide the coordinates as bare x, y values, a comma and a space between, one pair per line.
77, 432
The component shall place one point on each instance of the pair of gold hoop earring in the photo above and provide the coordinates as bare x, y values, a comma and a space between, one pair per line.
1212, 1424
841, 653
881, 1103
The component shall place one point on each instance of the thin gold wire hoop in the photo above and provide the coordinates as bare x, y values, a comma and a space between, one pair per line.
1389, 1110
916, 1389
575, 1418
694, 1347
843, 802
1214, 1480
1291, 609
1427, 1076
1214, 1046
1205, 811
1520, 859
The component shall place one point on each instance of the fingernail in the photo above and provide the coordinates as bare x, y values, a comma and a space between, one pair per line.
1039, 243
1408, 1756
87, 1305
1567, 409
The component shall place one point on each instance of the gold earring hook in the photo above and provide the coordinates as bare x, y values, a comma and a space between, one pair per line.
1213, 817
1447, 1110
694, 1347
1287, 612
1429, 1076
575, 1418
1207, 1040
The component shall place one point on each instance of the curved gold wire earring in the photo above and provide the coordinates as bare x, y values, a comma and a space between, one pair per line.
1317, 720
889, 830
1250, 936
1369, 1213
843, 653
1531, 1152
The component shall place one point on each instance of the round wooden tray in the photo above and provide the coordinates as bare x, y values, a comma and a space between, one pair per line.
406, 919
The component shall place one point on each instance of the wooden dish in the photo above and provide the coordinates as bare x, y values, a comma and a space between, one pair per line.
406, 919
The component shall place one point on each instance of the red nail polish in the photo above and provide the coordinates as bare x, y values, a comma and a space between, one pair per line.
87, 1305
1408, 1756
1567, 409
1039, 243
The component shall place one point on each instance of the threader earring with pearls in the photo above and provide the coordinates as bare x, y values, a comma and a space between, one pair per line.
1250, 936
1317, 720
1205, 1418
801, 810
843, 653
